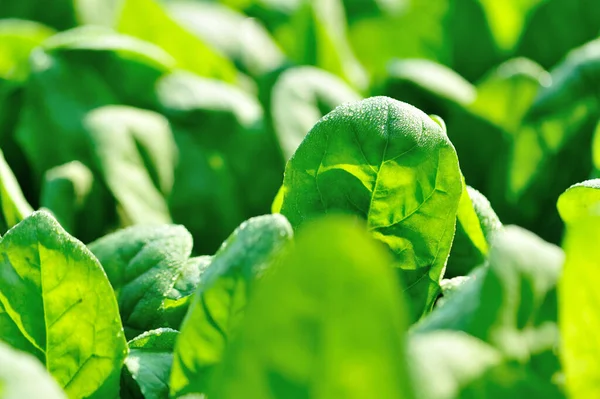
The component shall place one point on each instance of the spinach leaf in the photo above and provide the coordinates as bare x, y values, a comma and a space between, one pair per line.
143, 264
390, 164
220, 298
56, 298
220, 132
243, 40
332, 305
147, 20
300, 97
148, 364
578, 294
14, 206
511, 303
579, 201
17, 372
65, 192
134, 152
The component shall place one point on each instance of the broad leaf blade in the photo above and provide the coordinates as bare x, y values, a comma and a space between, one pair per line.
149, 361
56, 293
390, 164
218, 304
328, 322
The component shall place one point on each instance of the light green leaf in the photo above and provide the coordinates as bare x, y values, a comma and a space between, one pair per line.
390, 164
148, 365
578, 303
469, 248
65, 191
505, 95
333, 306
17, 39
135, 153
15, 207
488, 220
219, 301
512, 303
579, 201
144, 264
300, 97
147, 20
23, 376
56, 294
243, 40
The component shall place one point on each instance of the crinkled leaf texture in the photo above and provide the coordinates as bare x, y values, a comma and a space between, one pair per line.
57, 304
220, 300
328, 322
148, 365
390, 164
18, 370
145, 265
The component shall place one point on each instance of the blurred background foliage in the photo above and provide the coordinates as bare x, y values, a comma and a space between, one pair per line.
121, 112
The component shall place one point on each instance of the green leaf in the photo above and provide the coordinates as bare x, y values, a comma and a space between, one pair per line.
220, 132
578, 302
17, 39
300, 97
15, 207
65, 191
17, 373
505, 95
488, 220
143, 264
148, 365
390, 164
469, 248
512, 303
557, 26
219, 301
135, 153
328, 322
316, 35
579, 201
465, 367
147, 20
243, 40
60, 302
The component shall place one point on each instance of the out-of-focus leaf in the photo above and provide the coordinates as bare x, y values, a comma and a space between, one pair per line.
13, 204
301, 96
23, 376
579, 201
333, 306
390, 164
218, 305
579, 299
316, 35
65, 192
147, 20
144, 265
229, 164
511, 304
134, 152
557, 26
60, 303
505, 95
241, 39
465, 367
148, 365
488, 220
